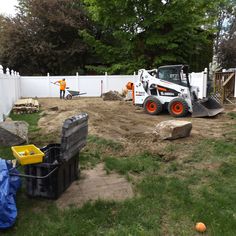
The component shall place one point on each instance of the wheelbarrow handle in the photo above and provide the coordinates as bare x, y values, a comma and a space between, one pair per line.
34, 177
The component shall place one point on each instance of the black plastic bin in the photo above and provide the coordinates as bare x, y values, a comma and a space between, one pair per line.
62, 174
60, 166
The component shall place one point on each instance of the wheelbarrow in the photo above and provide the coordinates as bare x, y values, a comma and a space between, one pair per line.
71, 93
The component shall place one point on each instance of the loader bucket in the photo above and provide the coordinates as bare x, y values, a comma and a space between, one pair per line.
207, 107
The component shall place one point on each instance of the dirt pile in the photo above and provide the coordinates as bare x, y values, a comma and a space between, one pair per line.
112, 96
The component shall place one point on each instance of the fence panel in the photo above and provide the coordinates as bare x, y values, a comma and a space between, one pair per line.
199, 80
32, 86
9, 93
92, 85
118, 82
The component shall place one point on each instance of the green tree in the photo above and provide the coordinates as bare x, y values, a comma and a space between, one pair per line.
44, 37
224, 12
118, 36
149, 33
227, 48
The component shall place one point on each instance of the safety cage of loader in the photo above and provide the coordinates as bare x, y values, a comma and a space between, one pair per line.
177, 74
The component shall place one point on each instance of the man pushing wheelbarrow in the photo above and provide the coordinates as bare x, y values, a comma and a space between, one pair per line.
65, 92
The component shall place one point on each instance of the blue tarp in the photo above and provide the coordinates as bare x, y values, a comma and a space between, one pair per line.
8, 188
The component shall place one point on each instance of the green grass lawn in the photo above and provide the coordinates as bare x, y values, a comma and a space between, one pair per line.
31, 119
170, 196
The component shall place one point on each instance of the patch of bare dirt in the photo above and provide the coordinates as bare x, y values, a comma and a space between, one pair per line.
122, 122
96, 184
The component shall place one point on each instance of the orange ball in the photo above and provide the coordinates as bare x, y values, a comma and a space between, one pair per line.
200, 227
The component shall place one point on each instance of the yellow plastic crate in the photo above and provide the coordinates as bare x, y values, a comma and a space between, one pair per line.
27, 154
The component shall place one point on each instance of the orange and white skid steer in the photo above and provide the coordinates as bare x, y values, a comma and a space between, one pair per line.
169, 87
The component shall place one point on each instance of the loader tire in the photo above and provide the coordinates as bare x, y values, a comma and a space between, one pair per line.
178, 107
152, 106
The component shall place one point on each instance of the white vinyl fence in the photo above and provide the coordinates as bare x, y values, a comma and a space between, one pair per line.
199, 80
93, 86
9, 91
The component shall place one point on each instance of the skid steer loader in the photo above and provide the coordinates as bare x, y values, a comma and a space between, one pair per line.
169, 87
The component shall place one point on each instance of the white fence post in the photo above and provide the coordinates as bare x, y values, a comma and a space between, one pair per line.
49, 86
77, 82
107, 83
102, 86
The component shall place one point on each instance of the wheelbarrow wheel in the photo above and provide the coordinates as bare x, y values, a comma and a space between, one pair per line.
68, 96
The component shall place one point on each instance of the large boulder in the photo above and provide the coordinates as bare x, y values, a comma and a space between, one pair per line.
173, 129
13, 133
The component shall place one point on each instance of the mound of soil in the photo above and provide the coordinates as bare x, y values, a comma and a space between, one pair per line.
112, 96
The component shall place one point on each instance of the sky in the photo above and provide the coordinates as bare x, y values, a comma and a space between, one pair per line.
7, 7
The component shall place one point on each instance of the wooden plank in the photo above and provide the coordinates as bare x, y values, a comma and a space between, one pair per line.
21, 102
228, 79
36, 103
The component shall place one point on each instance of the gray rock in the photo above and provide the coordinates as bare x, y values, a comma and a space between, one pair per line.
173, 129
13, 133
